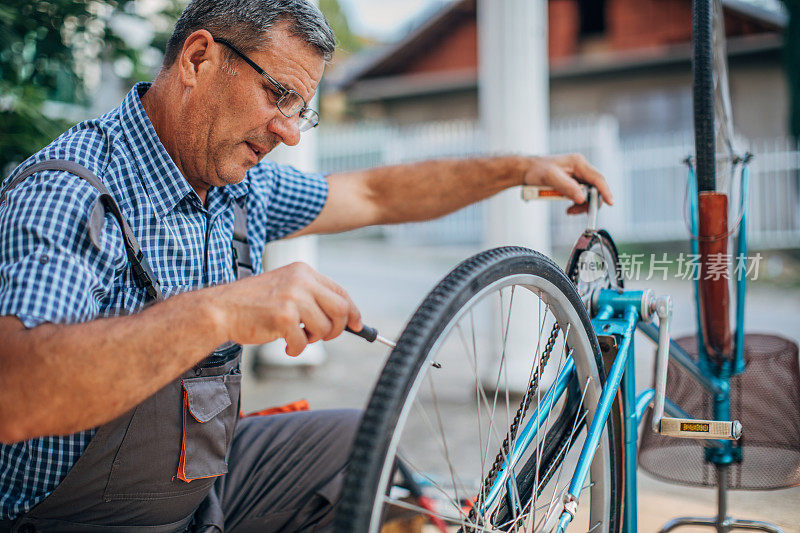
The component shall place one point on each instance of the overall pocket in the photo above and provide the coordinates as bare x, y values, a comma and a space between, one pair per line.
209, 419
161, 434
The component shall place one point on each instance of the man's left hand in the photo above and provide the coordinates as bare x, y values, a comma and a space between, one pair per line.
566, 173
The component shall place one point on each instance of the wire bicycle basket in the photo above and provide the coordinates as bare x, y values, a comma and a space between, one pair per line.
765, 398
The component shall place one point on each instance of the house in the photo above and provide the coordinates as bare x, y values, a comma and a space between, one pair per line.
626, 58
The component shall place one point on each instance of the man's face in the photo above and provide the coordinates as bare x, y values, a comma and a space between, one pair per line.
233, 114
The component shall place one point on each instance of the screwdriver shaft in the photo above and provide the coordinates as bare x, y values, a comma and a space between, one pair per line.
385, 341
371, 335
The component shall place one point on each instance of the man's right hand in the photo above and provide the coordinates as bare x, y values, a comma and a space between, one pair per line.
295, 303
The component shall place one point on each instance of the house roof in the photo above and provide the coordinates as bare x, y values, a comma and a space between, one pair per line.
374, 73
390, 56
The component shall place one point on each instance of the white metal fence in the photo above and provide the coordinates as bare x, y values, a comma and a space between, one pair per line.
366, 145
647, 174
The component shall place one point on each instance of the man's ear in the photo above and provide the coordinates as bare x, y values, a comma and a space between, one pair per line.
197, 55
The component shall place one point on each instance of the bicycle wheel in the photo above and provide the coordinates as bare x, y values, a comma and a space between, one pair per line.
444, 407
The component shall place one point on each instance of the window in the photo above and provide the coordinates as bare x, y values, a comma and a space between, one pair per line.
592, 17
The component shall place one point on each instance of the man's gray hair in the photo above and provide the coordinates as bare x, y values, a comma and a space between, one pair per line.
246, 23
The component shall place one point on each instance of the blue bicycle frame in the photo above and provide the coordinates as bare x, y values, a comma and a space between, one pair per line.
619, 314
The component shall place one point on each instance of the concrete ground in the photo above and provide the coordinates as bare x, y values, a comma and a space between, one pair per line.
388, 283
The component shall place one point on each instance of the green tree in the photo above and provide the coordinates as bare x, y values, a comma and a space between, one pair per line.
50, 50
348, 42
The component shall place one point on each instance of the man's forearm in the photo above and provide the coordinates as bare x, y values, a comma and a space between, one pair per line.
430, 189
58, 379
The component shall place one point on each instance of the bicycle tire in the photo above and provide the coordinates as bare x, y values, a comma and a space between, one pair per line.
375, 448
703, 93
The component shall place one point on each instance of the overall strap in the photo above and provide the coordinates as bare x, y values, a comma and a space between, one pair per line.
142, 271
242, 265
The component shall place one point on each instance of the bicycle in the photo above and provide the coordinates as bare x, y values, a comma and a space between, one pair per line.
563, 453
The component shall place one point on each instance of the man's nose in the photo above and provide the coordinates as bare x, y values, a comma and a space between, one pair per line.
287, 128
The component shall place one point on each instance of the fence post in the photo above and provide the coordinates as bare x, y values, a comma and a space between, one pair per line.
607, 158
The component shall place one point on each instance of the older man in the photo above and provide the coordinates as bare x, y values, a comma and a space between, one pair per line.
113, 413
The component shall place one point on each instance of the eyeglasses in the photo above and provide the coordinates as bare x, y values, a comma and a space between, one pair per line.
289, 102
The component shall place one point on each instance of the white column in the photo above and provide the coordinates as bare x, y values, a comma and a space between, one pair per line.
514, 108
514, 112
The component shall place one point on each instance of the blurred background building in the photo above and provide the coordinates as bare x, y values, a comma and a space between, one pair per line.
620, 92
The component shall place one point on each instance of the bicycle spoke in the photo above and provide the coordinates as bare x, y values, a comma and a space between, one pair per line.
598, 524
541, 435
478, 388
503, 355
411, 507
580, 416
444, 440
485, 400
434, 484
562, 360
561, 452
482, 394
502, 371
537, 368
442, 448
527, 512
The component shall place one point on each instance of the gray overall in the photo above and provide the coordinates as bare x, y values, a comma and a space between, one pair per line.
182, 460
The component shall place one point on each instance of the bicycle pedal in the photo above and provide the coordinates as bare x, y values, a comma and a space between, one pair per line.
690, 428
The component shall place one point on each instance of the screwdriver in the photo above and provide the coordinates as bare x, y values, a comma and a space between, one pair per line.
371, 335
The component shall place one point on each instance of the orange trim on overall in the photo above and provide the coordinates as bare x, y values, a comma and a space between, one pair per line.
299, 405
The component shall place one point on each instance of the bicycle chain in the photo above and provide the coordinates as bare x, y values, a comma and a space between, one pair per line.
512, 431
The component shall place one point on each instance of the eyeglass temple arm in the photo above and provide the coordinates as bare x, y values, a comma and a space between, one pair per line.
255, 66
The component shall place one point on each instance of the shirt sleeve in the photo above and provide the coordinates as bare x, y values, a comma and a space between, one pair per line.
49, 269
282, 200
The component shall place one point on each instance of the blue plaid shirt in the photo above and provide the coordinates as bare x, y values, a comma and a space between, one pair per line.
51, 272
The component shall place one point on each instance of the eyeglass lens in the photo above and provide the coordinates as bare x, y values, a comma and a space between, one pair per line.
290, 103
308, 119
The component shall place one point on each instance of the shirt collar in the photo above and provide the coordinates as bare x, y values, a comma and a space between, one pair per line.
238, 190
165, 184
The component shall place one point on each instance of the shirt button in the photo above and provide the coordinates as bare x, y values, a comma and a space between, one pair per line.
198, 371
43, 260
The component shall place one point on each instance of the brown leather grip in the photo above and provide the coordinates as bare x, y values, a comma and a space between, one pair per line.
714, 275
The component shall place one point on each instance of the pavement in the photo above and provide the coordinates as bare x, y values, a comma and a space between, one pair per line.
387, 283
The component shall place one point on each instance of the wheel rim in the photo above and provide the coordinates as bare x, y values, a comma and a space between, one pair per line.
559, 308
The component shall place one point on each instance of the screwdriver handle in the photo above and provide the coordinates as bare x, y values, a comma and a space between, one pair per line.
367, 333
